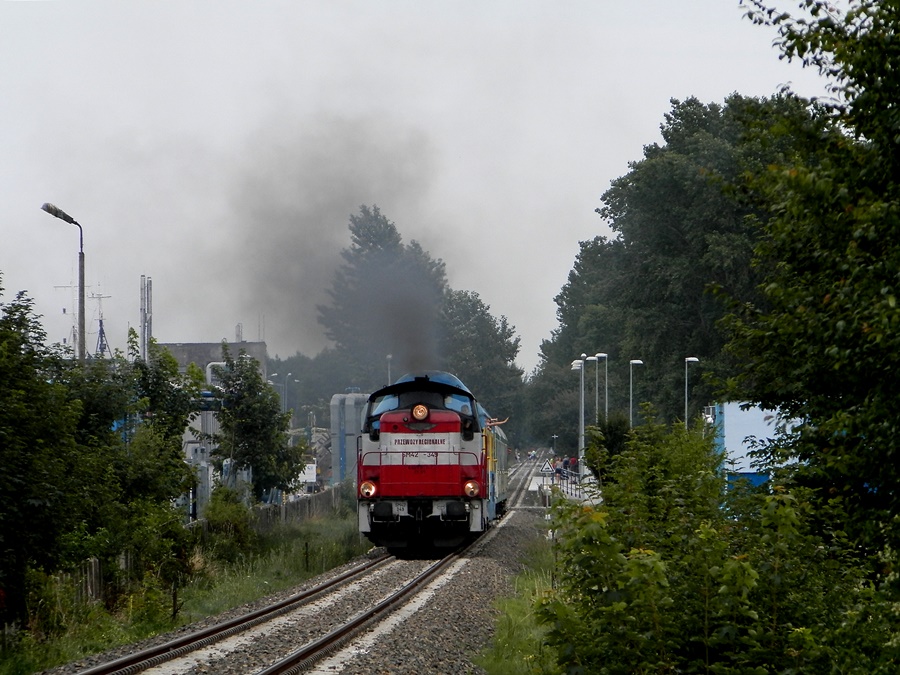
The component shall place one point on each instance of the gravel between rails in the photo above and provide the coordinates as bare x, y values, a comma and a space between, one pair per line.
453, 627
442, 637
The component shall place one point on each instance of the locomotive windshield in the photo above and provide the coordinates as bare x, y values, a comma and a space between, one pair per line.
384, 404
457, 402
404, 394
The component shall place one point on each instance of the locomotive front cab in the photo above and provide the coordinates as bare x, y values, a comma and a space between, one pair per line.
421, 475
381, 403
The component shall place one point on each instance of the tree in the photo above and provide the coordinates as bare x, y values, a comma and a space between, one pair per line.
92, 461
40, 458
673, 571
252, 429
165, 396
826, 348
481, 350
385, 299
685, 224
391, 298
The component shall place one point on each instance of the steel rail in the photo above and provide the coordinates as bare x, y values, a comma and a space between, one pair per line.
303, 658
518, 492
153, 656
307, 655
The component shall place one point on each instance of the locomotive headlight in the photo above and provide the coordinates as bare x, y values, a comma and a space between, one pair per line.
471, 488
420, 412
367, 489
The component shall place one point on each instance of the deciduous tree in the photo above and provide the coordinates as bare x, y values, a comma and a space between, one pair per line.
826, 348
41, 460
252, 429
385, 299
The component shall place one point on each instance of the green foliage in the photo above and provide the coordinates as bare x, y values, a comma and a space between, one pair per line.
385, 299
70, 630
519, 642
38, 452
674, 573
604, 442
685, 225
252, 429
153, 467
92, 462
165, 396
230, 531
824, 348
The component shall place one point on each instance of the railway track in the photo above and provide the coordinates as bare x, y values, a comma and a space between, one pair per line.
520, 480
304, 659
327, 628
154, 656
306, 656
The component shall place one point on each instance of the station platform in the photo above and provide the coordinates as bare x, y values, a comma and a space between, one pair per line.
586, 490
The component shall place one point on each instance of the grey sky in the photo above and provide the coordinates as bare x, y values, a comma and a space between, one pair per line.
220, 147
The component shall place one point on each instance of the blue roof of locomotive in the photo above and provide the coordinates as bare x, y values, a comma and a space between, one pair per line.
438, 376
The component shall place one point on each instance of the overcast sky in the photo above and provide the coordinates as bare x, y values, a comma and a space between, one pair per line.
219, 147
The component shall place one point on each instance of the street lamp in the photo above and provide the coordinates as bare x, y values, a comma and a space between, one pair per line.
596, 376
284, 391
687, 360
631, 365
605, 358
62, 215
389, 357
554, 437
578, 364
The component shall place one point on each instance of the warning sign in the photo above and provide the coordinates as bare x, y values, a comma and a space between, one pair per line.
546, 468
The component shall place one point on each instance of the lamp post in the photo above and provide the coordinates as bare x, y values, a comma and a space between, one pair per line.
605, 358
62, 215
554, 437
284, 391
596, 380
631, 365
578, 364
389, 357
687, 360
279, 387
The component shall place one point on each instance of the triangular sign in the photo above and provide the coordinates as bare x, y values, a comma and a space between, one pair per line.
546, 468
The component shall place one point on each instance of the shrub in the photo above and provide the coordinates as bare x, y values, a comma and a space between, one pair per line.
673, 572
230, 532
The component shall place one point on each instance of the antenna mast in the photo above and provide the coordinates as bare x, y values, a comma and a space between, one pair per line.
103, 348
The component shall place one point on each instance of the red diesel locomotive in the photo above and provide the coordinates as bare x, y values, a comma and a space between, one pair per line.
431, 465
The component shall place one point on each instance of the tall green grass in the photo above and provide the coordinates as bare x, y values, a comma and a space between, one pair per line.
518, 645
284, 558
293, 554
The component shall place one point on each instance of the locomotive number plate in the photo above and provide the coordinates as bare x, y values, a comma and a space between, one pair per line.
400, 509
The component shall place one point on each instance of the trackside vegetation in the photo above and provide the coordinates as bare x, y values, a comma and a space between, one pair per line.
520, 643
763, 237
678, 571
760, 236
233, 566
94, 550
